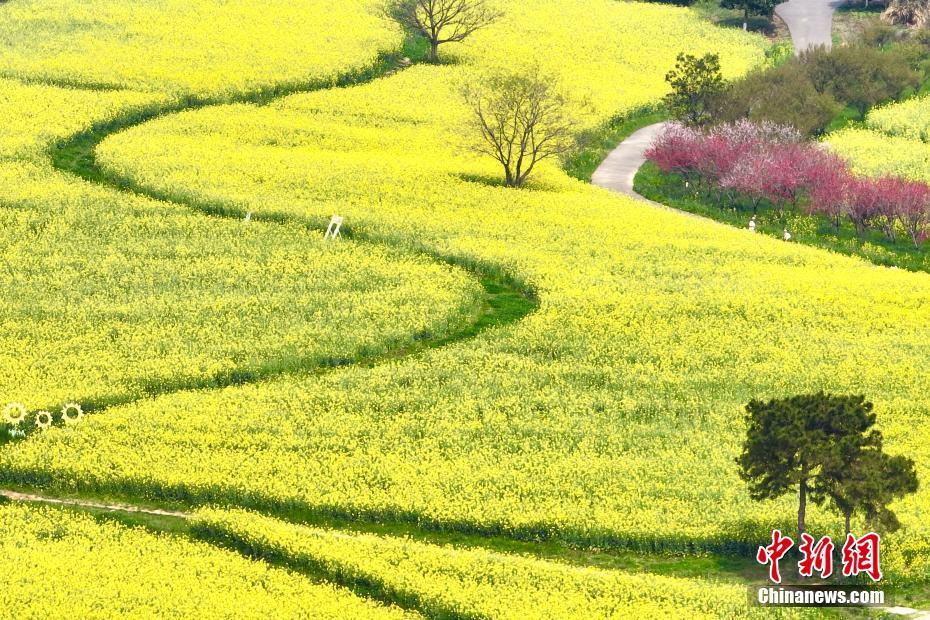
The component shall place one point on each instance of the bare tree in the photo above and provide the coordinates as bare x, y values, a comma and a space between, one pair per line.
442, 21
522, 121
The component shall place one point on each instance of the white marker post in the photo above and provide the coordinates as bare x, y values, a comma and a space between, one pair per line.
334, 225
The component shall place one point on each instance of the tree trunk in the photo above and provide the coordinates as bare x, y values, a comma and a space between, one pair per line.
802, 502
433, 51
848, 518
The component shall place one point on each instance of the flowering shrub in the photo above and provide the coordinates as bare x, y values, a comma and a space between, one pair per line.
766, 163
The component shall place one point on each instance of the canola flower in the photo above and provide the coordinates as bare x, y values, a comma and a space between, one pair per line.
478, 583
120, 296
872, 153
609, 416
611, 56
191, 47
63, 564
907, 119
893, 141
37, 115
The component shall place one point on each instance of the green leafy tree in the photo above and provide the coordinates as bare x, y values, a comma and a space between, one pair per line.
865, 479
695, 83
762, 8
858, 75
783, 95
789, 443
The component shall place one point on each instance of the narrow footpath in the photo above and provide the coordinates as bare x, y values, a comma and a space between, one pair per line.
616, 173
810, 23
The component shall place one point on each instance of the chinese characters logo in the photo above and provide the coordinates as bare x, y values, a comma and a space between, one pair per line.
858, 556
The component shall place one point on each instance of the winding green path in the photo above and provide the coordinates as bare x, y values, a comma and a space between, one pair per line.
505, 299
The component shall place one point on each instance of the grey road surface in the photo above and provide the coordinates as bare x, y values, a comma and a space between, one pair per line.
617, 171
810, 22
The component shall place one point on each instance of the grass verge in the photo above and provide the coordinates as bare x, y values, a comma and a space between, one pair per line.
670, 190
597, 144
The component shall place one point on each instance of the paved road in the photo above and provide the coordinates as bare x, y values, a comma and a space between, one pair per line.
617, 171
810, 22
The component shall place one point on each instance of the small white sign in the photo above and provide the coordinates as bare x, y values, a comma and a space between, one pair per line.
335, 225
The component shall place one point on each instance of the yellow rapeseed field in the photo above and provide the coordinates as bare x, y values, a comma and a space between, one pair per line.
874, 153
37, 115
60, 564
908, 119
112, 297
893, 141
610, 416
190, 47
479, 583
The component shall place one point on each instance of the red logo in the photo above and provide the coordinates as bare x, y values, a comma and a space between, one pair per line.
859, 555
817, 557
773, 553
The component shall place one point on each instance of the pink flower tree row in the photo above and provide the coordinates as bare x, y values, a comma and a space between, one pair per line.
771, 164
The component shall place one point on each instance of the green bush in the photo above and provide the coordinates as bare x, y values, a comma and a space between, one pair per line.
810, 91
784, 95
860, 76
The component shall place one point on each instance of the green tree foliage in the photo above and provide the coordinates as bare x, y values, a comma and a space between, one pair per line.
783, 95
865, 479
791, 442
808, 91
696, 83
762, 8
858, 75
521, 120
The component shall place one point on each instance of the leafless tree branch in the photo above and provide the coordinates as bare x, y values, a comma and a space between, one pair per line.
442, 21
521, 121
